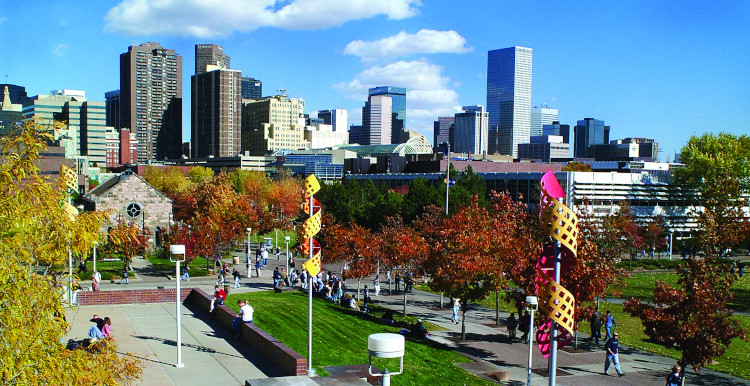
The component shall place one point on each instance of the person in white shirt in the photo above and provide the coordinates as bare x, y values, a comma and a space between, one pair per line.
245, 316
96, 278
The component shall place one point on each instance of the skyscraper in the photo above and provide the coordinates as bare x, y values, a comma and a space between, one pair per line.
509, 98
377, 120
114, 111
251, 88
557, 129
471, 131
151, 99
398, 120
589, 131
273, 123
337, 118
541, 116
209, 54
216, 112
443, 131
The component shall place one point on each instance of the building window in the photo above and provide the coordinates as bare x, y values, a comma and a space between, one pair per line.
133, 210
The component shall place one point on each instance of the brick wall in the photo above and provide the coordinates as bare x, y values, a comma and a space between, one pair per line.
160, 295
279, 354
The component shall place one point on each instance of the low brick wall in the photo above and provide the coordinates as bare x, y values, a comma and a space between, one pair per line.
157, 295
279, 354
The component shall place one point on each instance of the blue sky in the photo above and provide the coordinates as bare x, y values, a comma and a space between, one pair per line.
659, 69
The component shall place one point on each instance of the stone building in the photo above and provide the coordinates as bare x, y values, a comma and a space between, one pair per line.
130, 199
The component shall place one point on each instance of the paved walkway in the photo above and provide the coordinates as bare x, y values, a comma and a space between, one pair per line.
489, 346
210, 354
485, 343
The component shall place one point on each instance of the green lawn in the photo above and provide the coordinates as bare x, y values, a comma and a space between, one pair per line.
340, 338
641, 286
106, 268
488, 302
197, 266
735, 361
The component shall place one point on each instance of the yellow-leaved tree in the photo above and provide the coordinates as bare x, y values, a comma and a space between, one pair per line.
35, 231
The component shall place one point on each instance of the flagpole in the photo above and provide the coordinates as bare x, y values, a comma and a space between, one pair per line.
310, 370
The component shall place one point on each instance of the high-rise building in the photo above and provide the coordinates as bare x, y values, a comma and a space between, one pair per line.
251, 88
544, 148
589, 131
509, 98
209, 54
216, 112
541, 116
555, 128
356, 135
443, 131
114, 112
337, 118
17, 94
471, 130
151, 99
377, 120
85, 131
398, 109
273, 123
122, 147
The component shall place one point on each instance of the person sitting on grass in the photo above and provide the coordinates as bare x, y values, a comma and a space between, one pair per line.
353, 304
388, 317
418, 330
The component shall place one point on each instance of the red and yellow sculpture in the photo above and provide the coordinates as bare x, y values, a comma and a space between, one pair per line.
555, 301
311, 226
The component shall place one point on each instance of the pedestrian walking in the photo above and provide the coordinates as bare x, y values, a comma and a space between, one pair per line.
609, 322
398, 282
613, 350
456, 307
376, 284
674, 379
596, 327
236, 276
741, 267
125, 276
512, 324
525, 326
185, 273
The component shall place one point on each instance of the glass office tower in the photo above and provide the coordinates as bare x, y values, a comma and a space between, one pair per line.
398, 96
509, 98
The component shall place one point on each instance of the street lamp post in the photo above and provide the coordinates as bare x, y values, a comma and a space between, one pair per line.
286, 241
94, 256
178, 251
671, 232
531, 306
247, 256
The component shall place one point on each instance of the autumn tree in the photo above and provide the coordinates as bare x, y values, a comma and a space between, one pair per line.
620, 232
128, 239
466, 251
355, 247
400, 246
576, 166
35, 232
692, 316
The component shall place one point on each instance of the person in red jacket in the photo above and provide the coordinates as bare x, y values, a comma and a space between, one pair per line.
219, 297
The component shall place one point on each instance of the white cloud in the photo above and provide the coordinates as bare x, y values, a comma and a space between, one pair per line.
60, 50
425, 41
429, 94
205, 18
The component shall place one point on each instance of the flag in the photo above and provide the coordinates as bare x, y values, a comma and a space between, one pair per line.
312, 266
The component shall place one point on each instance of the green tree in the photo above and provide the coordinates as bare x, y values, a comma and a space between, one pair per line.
34, 230
421, 195
198, 174
717, 167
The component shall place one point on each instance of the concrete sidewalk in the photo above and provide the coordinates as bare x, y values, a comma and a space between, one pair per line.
489, 346
210, 353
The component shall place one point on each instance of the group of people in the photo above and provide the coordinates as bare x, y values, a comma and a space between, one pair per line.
408, 280
280, 278
102, 328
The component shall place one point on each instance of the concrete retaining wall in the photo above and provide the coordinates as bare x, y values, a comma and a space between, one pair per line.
279, 354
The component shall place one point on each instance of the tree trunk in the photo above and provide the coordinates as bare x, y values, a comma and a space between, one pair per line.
497, 308
404, 303
358, 281
463, 320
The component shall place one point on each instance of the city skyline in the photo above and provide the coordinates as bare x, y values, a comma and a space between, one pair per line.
648, 70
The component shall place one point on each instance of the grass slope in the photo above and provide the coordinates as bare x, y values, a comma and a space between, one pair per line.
340, 338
